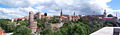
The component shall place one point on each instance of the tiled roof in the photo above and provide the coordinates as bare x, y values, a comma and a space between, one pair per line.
1, 32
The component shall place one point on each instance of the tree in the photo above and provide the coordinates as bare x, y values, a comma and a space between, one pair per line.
110, 15
46, 31
6, 25
74, 29
22, 30
53, 20
40, 24
10, 28
23, 23
109, 23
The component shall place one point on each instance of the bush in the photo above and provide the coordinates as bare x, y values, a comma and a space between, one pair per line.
22, 30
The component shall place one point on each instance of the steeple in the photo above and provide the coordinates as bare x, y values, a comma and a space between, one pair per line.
74, 14
116, 14
105, 13
61, 13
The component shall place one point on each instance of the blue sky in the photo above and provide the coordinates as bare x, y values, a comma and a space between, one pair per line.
114, 4
21, 8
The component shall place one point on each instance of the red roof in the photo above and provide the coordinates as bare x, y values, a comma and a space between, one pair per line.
35, 15
1, 32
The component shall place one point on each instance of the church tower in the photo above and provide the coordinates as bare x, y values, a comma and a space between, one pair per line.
74, 14
61, 13
105, 13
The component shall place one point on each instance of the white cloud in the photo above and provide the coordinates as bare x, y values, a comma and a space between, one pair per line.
68, 6
15, 12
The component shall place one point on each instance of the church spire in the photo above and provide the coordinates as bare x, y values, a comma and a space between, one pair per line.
61, 13
116, 14
105, 13
74, 14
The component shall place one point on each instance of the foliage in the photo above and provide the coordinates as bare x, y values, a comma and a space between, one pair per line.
23, 23
110, 15
44, 19
19, 19
40, 23
76, 29
80, 27
46, 31
53, 20
6, 25
22, 30
110, 23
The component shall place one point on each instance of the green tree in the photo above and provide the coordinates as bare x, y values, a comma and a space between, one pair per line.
46, 31
109, 23
110, 15
10, 28
23, 23
75, 29
53, 20
6, 25
22, 30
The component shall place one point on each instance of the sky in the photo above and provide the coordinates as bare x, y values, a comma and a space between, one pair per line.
114, 4
21, 8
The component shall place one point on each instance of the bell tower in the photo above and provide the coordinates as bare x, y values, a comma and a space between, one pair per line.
105, 13
61, 13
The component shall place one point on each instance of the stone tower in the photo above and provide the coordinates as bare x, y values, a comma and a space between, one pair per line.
31, 18
32, 23
39, 15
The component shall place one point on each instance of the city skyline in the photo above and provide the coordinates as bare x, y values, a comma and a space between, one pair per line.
15, 8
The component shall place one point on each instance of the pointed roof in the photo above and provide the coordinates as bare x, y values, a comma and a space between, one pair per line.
74, 14
61, 13
105, 11
116, 14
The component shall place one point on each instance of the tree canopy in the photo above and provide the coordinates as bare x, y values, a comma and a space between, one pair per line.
22, 30
110, 15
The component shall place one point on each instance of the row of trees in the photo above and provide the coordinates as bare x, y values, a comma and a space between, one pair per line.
80, 27
9, 27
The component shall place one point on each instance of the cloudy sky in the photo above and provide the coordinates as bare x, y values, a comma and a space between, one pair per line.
20, 8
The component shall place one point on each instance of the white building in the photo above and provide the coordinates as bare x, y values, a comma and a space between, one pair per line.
106, 31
